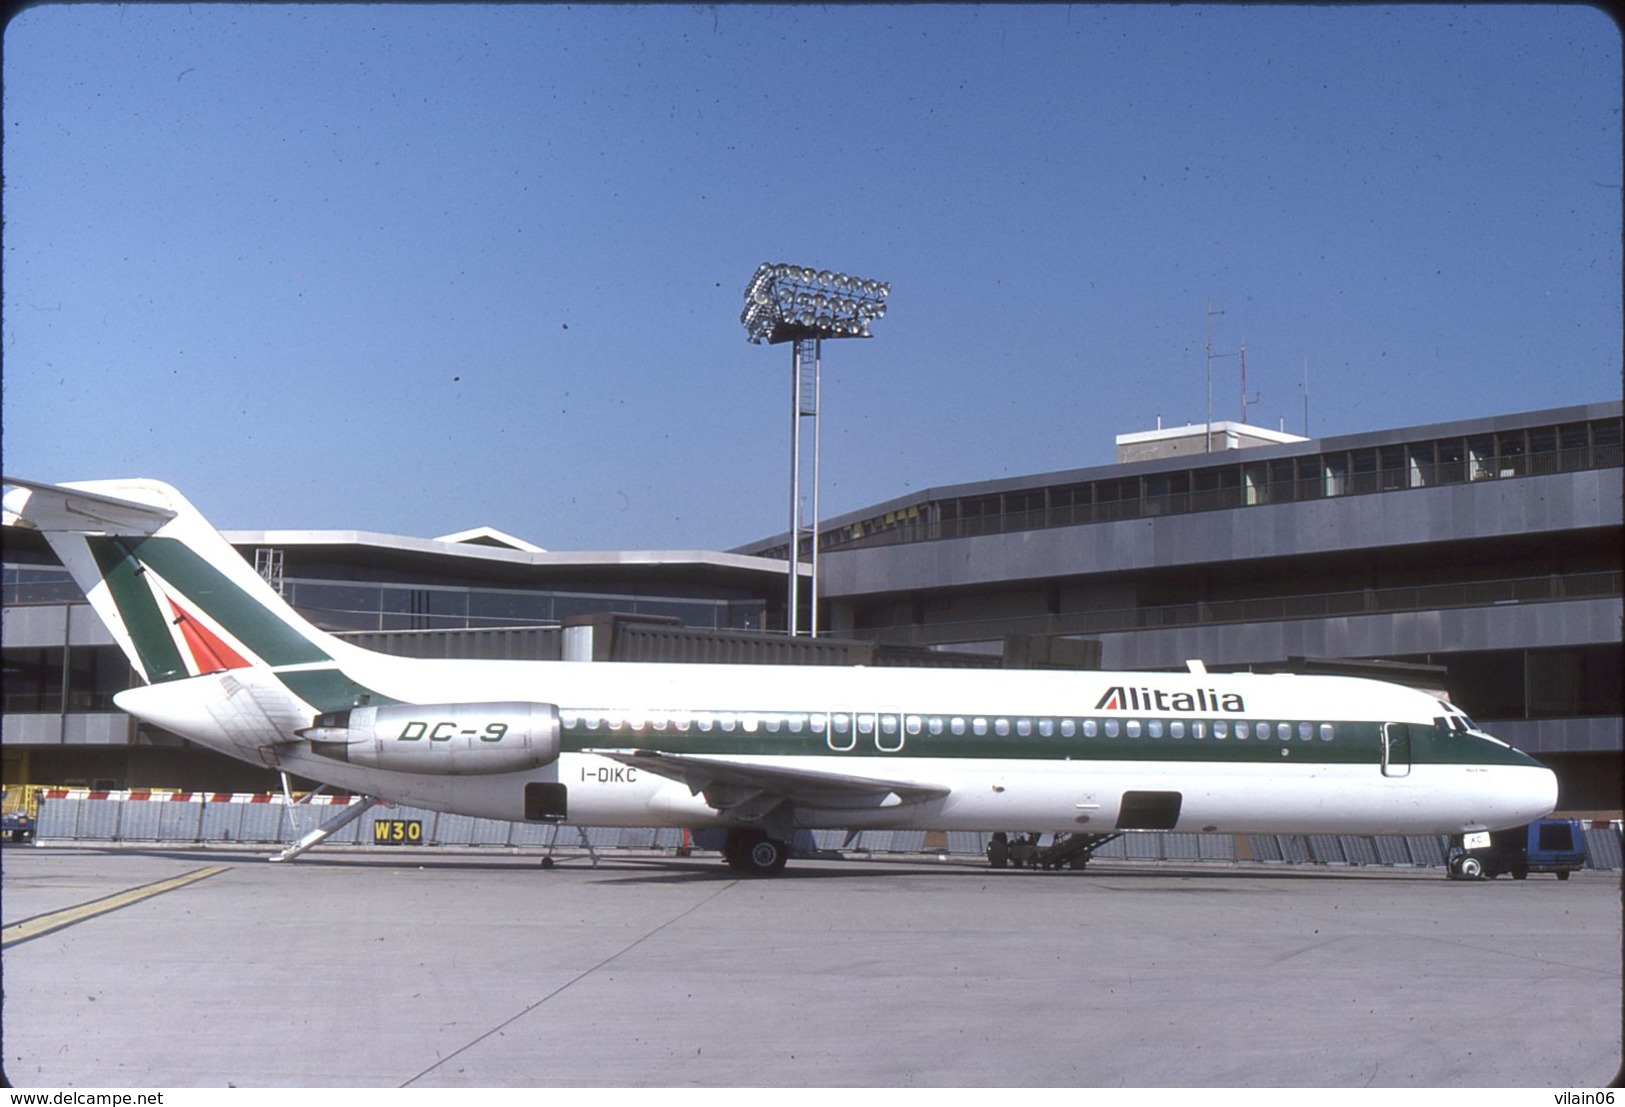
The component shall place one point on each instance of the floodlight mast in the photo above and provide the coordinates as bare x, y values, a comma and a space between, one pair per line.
803, 306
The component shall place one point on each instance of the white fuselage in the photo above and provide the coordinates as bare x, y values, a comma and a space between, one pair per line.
1269, 785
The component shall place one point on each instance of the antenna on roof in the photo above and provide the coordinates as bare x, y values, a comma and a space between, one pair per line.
1306, 396
1245, 399
1207, 445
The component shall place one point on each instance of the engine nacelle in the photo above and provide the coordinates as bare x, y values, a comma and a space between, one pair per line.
454, 738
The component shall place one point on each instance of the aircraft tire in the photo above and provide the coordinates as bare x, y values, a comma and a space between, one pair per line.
753, 853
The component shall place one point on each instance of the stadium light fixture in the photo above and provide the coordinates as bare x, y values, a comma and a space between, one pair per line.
788, 303
803, 306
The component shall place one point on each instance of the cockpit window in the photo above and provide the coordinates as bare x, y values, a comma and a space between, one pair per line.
1454, 718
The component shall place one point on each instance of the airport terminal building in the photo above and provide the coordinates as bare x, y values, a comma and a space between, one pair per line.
1483, 557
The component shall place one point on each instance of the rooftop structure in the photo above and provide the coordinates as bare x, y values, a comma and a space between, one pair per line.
1196, 438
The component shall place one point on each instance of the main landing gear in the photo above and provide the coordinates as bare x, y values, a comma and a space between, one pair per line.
751, 852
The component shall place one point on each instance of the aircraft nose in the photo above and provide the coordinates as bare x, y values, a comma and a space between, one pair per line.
1533, 795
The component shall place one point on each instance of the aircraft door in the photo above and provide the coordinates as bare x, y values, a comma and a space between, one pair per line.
842, 734
889, 731
546, 802
1396, 749
881, 730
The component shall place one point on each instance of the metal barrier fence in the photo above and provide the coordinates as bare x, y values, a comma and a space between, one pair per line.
273, 823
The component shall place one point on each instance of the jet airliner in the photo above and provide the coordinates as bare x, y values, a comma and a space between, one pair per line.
751, 754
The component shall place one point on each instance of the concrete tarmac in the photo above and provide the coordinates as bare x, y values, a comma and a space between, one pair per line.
480, 969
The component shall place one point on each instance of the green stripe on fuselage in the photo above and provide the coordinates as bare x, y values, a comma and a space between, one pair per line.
330, 689
1354, 743
148, 627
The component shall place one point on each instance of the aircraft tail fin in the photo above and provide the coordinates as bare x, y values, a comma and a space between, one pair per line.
176, 596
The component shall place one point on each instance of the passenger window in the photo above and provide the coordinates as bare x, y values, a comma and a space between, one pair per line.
1304, 730
1283, 731
795, 723
1089, 728
978, 727
842, 723
1155, 728
1001, 727
1243, 730
1111, 728
1176, 729
934, 724
1046, 728
1325, 732
1133, 728
1068, 728
957, 725
913, 724
1198, 730
1024, 727
1221, 729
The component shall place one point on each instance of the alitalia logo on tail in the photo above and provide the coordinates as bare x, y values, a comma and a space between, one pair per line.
209, 649
184, 617
1121, 697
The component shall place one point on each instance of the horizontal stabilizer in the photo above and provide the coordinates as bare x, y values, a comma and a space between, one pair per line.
61, 507
178, 599
739, 788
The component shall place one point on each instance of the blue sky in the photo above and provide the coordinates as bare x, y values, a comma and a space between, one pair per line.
415, 269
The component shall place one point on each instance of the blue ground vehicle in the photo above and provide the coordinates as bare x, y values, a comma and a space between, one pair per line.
1544, 846
18, 826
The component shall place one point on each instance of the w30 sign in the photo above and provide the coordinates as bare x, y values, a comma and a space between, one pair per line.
397, 832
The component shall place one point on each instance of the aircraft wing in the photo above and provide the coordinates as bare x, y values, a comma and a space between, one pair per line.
748, 790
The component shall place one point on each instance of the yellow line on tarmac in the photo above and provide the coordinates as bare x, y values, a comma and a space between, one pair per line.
56, 920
